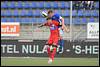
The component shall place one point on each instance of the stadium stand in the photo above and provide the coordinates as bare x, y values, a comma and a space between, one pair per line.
28, 9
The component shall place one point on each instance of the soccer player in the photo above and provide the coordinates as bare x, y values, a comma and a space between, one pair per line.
53, 39
62, 27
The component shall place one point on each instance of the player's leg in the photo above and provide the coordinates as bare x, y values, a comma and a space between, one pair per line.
53, 51
48, 49
61, 41
54, 46
49, 54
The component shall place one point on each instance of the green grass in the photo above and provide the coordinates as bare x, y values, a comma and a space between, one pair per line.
43, 62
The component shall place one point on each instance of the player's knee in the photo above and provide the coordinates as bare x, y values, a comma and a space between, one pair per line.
54, 45
48, 44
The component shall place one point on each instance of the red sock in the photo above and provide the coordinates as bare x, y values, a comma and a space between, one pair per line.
53, 53
49, 53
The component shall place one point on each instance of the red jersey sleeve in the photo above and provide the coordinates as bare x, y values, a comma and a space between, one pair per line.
46, 24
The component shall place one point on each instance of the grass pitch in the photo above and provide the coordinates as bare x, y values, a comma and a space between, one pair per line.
40, 61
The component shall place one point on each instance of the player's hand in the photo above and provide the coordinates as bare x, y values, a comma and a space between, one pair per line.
65, 29
68, 30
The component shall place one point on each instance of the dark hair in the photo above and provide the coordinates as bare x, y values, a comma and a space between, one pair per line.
48, 18
50, 11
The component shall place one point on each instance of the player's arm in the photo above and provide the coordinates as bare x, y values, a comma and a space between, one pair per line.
44, 24
66, 29
41, 25
62, 20
63, 25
